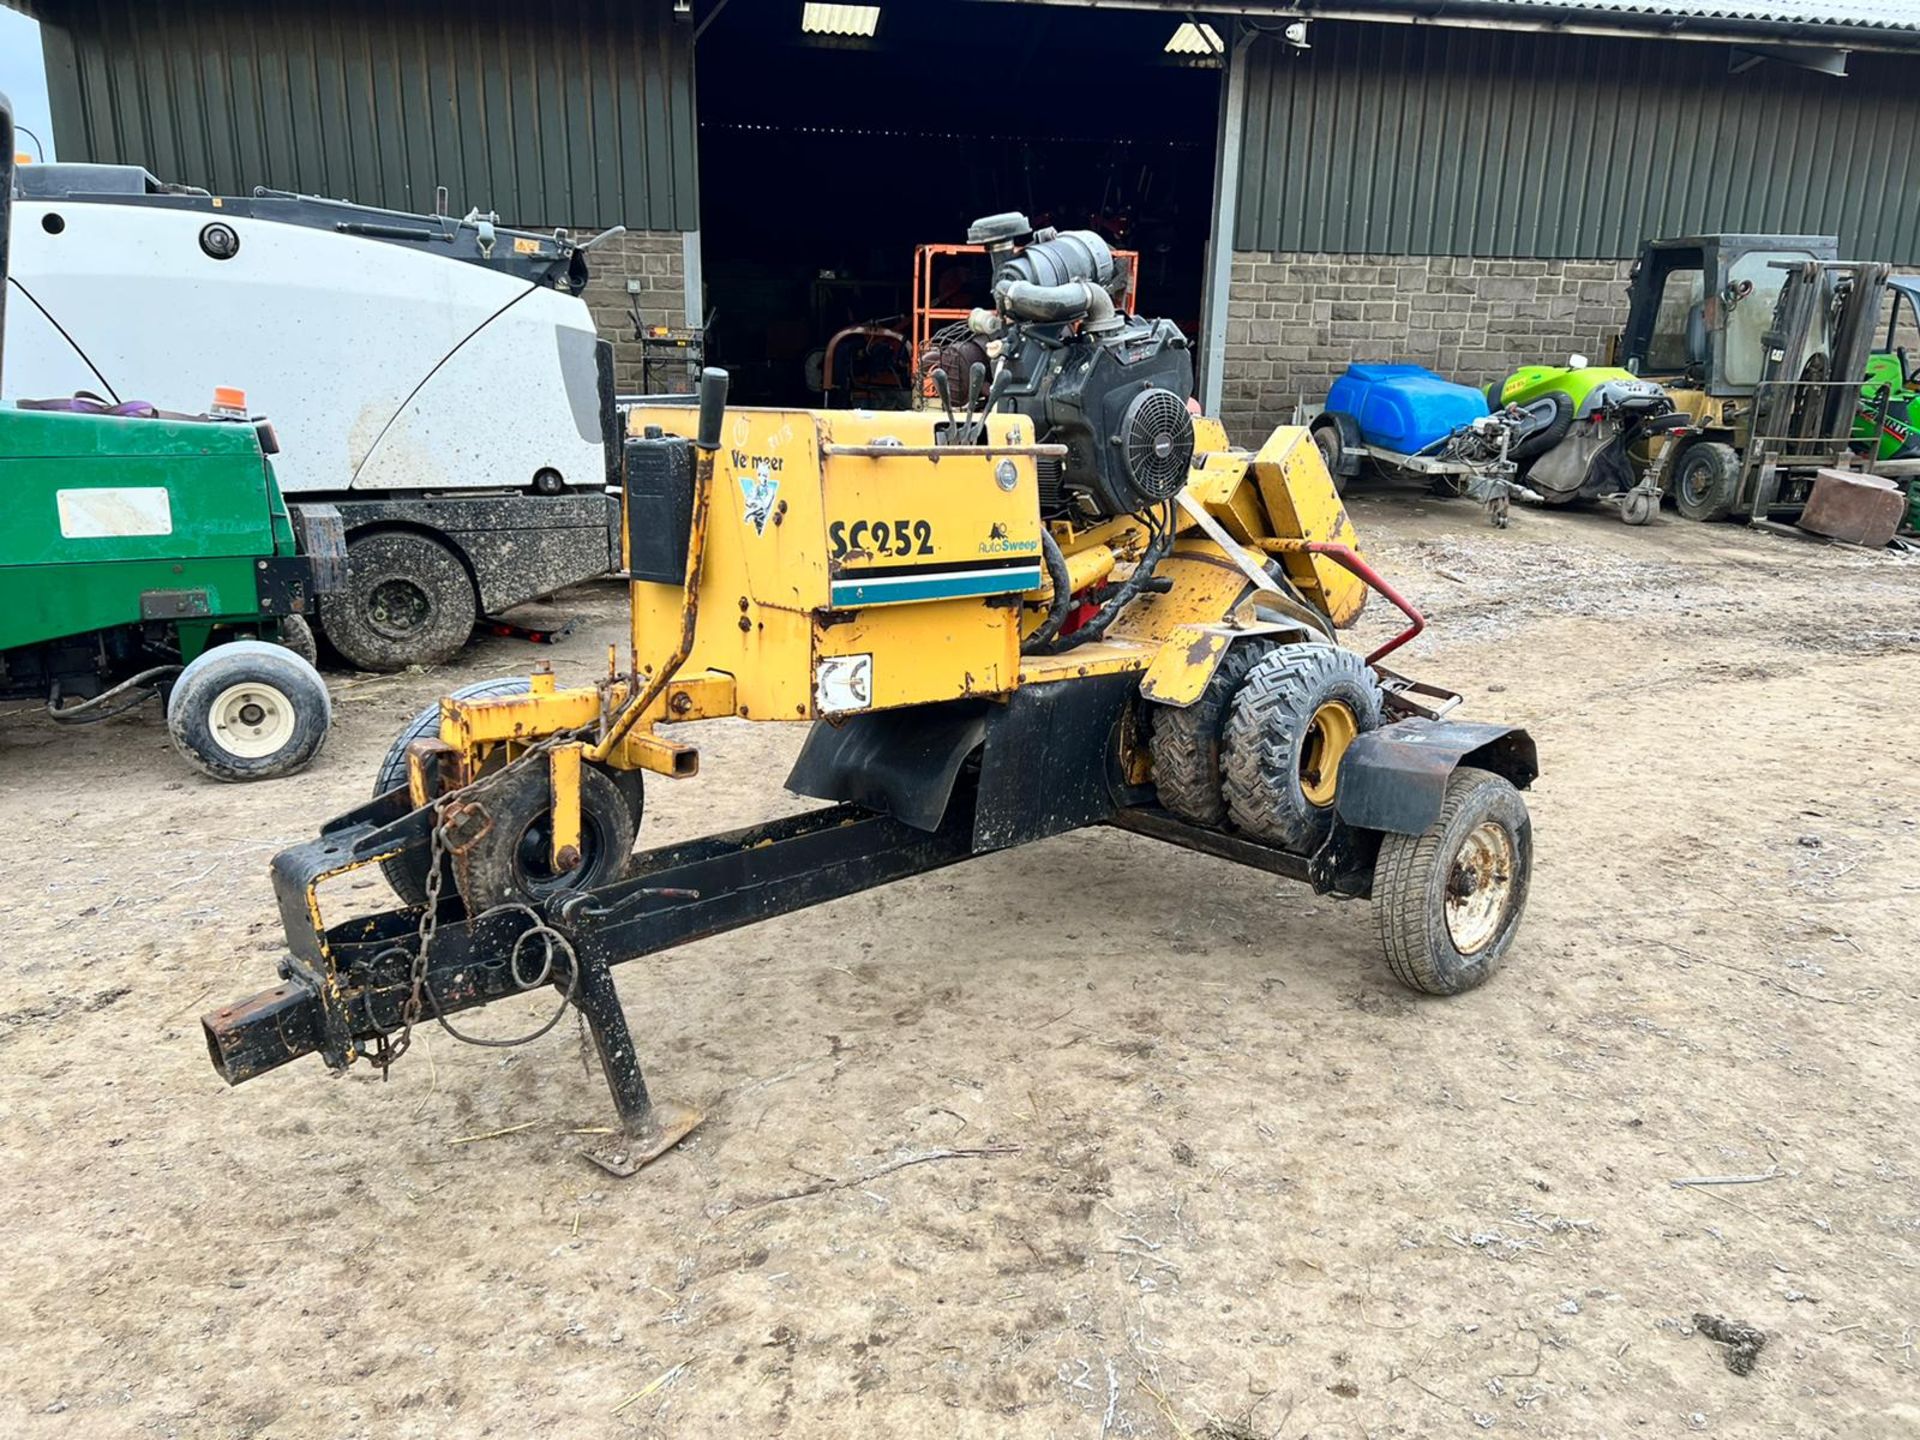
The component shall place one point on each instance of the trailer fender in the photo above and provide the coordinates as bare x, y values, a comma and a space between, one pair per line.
901, 763
1191, 653
1394, 778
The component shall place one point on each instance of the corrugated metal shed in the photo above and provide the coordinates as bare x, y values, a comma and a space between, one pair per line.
551, 112
1421, 140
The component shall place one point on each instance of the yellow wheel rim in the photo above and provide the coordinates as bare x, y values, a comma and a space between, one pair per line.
1329, 733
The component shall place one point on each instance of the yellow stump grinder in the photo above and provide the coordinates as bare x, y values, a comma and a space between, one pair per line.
1071, 603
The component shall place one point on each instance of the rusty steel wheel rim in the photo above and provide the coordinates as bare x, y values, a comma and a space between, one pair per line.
1480, 885
1329, 733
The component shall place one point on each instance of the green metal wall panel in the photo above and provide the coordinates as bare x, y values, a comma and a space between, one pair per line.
1400, 139
552, 112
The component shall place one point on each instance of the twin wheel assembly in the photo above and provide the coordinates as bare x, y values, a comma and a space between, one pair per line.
1259, 753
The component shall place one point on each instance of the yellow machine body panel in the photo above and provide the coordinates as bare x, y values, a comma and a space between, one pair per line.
839, 582
1302, 504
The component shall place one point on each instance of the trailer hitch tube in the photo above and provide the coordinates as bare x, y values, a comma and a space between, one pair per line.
346, 986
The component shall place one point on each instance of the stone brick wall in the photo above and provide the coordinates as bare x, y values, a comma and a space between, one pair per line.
652, 259
1294, 321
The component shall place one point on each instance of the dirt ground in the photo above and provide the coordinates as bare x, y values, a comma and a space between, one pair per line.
1221, 1176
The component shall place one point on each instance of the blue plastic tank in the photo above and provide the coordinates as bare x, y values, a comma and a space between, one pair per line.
1404, 407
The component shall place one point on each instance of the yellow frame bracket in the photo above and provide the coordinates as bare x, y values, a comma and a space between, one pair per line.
563, 771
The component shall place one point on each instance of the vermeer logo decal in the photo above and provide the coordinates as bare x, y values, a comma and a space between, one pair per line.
759, 492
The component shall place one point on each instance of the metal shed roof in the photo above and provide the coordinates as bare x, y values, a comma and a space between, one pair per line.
1868, 14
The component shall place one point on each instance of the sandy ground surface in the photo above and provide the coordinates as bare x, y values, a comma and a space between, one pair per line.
1238, 1183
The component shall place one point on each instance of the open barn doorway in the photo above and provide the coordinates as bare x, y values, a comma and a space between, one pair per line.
828, 159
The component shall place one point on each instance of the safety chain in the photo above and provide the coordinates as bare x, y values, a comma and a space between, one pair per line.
387, 1050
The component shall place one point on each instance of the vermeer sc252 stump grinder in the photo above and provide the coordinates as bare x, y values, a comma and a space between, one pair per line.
1077, 605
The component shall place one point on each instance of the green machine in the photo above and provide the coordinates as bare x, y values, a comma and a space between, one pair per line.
146, 558
1890, 401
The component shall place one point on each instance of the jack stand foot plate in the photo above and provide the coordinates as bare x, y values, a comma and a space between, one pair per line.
667, 1125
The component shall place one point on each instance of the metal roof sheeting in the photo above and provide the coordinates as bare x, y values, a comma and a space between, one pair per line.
550, 112
1866, 14
1409, 140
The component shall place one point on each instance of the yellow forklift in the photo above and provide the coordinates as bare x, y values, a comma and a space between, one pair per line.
1070, 604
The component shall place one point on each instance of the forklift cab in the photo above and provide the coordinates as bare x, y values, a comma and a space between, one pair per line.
1698, 307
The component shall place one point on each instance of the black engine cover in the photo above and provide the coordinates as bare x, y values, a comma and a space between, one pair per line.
1079, 394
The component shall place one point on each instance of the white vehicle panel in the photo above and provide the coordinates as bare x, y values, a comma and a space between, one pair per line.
331, 336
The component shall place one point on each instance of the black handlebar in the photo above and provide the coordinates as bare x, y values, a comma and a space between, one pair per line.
713, 407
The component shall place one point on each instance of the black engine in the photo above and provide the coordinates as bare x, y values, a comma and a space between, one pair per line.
1111, 387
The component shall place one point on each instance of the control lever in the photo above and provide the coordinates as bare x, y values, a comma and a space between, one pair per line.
944, 389
976, 377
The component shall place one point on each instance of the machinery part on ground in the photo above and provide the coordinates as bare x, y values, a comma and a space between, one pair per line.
1286, 732
408, 601
1185, 741
1447, 903
249, 710
1706, 481
509, 862
1338, 436
297, 635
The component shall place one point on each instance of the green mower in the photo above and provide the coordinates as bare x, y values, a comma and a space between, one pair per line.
149, 556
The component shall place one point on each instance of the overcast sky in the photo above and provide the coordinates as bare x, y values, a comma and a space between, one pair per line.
23, 79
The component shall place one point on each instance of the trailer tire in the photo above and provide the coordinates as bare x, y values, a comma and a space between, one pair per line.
407, 872
249, 710
1337, 436
408, 601
1447, 904
509, 865
1185, 742
297, 635
1706, 481
1286, 733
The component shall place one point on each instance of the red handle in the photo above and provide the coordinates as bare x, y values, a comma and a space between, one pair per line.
1348, 557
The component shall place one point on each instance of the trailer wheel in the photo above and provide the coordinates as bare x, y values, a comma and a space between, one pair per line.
407, 872
249, 710
1337, 436
1287, 731
1185, 743
511, 863
1532, 446
1447, 904
1706, 482
408, 601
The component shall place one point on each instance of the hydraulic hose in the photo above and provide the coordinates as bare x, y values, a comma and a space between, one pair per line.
1129, 588
1062, 604
102, 707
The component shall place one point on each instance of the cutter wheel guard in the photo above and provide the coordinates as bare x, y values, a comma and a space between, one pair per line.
1072, 603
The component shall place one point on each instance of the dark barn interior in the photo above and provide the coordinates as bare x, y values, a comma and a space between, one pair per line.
813, 197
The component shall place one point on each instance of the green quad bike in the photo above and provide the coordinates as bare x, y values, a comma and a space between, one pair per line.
148, 556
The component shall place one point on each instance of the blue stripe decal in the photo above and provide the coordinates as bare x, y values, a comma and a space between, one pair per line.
899, 589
